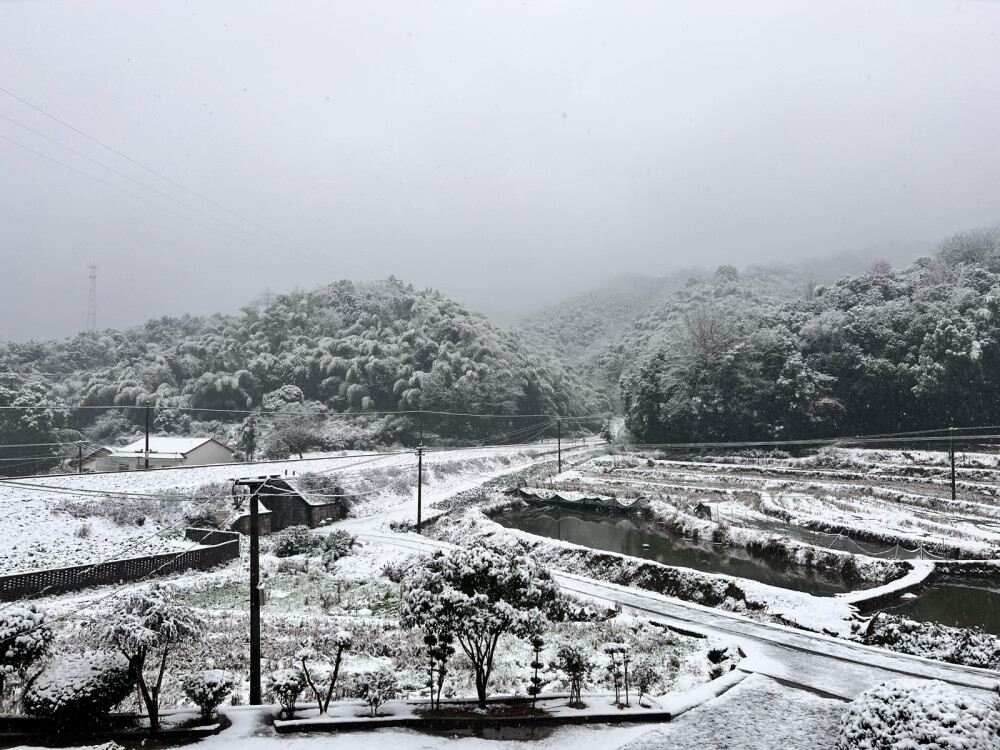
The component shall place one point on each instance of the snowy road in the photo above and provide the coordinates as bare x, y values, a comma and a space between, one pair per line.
812, 661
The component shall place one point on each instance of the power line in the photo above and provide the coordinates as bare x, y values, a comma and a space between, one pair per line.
161, 495
874, 440
327, 415
183, 187
154, 204
146, 187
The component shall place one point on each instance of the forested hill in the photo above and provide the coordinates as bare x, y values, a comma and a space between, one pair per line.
732, 357
603, 332
340, 348
577, 330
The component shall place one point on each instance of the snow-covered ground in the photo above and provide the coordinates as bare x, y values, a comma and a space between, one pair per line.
757, 714
64, 520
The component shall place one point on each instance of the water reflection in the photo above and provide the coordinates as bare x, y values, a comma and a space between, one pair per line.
638, 537
958, 602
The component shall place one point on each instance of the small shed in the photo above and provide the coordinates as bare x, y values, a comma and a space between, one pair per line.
241, 521
289, 507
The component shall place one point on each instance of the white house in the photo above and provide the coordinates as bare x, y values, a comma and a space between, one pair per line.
163, 451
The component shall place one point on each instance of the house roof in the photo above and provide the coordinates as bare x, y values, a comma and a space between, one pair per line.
175, 445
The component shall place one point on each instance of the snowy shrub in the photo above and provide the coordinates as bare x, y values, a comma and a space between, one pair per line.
535, 688
644, 677
478, 594
617, 668
911, 713
439, 651
575, 662
82, 531
202, 518
207, 689
375, 688
338, 544
149, 623
80, 688
319, 674
295, 540
286, 685
24, 638
973, 648
398, 568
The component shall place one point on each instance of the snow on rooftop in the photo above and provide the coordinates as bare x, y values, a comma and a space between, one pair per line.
164, 445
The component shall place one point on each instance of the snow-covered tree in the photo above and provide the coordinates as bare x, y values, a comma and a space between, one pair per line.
319, 673
477, 595
24, 638
576, 663
439, 651
247, 435
33, 418
537, 644
617, 668
149, 623
644, 677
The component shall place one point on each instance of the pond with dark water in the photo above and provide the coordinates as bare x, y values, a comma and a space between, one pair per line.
639, 537
957, 602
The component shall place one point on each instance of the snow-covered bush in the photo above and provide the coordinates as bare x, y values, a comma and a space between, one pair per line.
149, 623
295, 540
478, 594
911, 713
286, 685
535, 688
375, 688
24, 637
319, 673
207, 689
973, 648
439, 651
575, 662
644, 677
617, 668
338, 544
80, 688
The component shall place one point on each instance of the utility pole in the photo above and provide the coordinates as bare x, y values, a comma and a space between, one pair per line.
255, 592
92, 302
559, 441
421, 419
147, 433
951, 455
79, 467
420, 482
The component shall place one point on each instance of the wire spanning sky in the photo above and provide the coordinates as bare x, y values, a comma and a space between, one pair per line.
506, 153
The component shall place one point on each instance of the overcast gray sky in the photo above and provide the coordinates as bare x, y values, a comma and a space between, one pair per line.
502, 152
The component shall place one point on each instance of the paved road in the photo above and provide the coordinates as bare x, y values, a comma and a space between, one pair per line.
812, 661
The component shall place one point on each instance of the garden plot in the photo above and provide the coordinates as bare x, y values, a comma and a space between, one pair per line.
307, 599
